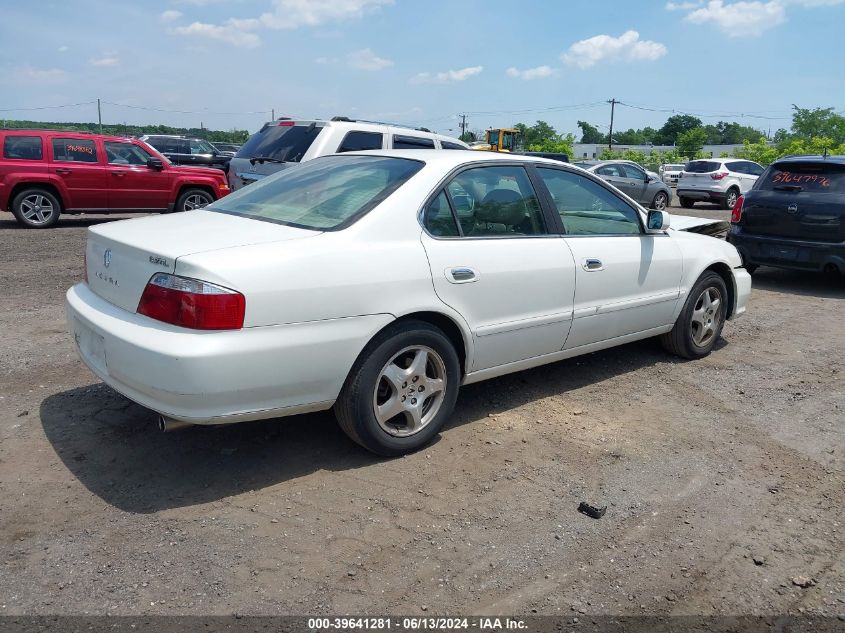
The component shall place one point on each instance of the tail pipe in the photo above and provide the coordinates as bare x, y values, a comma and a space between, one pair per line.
166, 425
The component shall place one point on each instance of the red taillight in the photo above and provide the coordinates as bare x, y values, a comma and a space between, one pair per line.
736, 214
192, 303
285, 124
719, 175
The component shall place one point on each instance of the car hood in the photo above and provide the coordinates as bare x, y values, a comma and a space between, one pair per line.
199, 171
705, 226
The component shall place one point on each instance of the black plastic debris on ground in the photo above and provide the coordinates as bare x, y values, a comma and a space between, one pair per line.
592, 511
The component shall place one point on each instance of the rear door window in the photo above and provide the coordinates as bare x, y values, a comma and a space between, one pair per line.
75, 150
815, 177
412, 142
281, 141
450, 145
357, 141
23, 148
702, 166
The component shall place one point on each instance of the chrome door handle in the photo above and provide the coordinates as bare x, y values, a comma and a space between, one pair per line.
592, 265
461, 275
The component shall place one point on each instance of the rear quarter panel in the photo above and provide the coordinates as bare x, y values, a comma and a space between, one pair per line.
14, 172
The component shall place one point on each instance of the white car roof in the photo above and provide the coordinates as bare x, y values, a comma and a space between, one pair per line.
449, 158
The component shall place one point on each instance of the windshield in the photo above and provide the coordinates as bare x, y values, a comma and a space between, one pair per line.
323, 194
281, 141
702, 166
814, 177
673, 168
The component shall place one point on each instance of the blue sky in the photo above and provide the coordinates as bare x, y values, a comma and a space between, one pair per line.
228, 62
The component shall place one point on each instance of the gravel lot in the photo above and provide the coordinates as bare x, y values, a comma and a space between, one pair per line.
723, 480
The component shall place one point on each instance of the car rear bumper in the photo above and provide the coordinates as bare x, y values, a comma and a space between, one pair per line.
699, 194
217, 377
784, 252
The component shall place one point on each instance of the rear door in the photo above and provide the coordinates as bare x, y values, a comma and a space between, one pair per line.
503, 265
133, 185
798, 200
79, 163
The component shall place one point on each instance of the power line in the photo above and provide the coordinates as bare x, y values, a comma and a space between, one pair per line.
156, 109
577, 106
51, 107
723, 115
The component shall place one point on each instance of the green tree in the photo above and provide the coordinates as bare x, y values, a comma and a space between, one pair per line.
818, 122
468, 137
690, 142
590, 133
675, 126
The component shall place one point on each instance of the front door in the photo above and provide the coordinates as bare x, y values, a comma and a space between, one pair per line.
636, 182
626, 281
77, 162
496, 261
133, 185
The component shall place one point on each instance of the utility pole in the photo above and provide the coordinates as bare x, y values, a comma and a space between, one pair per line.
273, 114
463, 125
99, 115
612, 103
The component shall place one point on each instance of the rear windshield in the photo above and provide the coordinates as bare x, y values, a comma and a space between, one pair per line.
673, 167
822, 178
323, 194
702, 166
280, 142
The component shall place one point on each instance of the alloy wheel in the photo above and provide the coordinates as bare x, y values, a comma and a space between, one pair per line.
194, 201
37, 209
706, 316
409, 391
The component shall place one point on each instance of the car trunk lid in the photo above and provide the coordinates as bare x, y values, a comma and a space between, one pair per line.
799, 201
122, 256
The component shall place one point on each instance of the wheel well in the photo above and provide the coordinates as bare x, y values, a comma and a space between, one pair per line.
31, 185
724, 271
205, 188
449, 327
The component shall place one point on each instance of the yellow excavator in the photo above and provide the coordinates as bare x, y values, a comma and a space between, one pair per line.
506, 139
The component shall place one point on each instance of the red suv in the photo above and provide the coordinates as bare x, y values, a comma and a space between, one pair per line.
45, 172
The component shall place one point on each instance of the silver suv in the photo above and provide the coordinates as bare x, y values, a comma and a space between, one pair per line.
285, 142
716, 180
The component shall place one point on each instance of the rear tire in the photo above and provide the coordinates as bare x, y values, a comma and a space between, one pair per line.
36, 208
687, 203
700, 322
192, 199
401, 390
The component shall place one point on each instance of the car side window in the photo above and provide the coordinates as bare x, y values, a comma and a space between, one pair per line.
76, 150
633, 172
125, 154
610, 170
200, 147
588, 208
754, 169
357, 140
450, 145
496, 202
438, 219
23, 148
736, 167
412, 142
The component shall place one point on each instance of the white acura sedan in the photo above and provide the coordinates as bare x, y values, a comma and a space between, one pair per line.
379, 282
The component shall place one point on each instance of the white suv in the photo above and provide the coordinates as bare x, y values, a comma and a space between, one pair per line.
716, 180
284, 142
670, 174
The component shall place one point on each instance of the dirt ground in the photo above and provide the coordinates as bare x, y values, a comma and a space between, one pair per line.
723, 480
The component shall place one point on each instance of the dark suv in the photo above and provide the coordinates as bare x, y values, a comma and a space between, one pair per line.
181, 150
794, 216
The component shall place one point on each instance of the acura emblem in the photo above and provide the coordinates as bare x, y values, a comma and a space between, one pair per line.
107, 258
792, 208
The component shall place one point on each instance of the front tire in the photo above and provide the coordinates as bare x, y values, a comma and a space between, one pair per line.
401, 390
36, 208
701, 320
661, 201
192, 199
730, 198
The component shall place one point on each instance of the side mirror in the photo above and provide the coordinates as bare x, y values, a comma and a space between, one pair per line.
657, 221
155, 163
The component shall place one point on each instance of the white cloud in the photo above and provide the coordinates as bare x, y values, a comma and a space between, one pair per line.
448, 76
199, 3
683, 6
229, 33
366, 59
169, 15
106, 59
816, 3
327, 60
530, 73
286, 14
740, 19
41, 75
627, 47
63, 49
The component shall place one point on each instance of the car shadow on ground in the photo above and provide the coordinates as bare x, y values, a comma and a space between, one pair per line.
811, 284
116, 450
8, 221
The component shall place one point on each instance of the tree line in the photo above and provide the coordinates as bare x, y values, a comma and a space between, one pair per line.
219, 136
